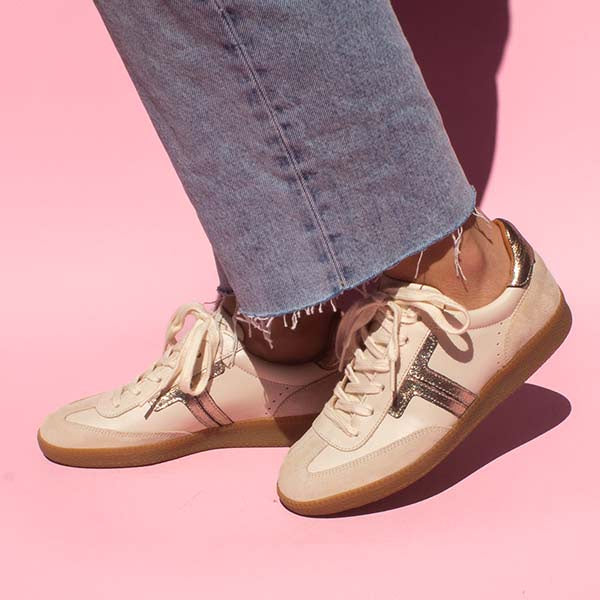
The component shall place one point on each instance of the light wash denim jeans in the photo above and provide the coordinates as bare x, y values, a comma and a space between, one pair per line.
303, 133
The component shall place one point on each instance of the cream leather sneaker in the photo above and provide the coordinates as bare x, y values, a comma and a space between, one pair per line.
427, 372
205, 392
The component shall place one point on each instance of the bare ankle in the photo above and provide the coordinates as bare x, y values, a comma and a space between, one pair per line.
473, 270
310, 339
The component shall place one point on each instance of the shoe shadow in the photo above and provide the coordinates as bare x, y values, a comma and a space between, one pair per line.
459, 47
531, 411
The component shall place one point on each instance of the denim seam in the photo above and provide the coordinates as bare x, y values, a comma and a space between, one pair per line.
284, 141
375, 275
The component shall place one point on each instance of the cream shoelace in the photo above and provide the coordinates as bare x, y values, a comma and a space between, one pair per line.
378, 351
197, 351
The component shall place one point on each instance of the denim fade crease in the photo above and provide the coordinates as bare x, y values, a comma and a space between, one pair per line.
304, 135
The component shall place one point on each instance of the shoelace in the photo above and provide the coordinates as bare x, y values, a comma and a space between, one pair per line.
380, 351
199, 347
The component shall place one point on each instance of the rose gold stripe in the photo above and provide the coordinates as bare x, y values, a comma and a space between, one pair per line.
213, 410
195, 407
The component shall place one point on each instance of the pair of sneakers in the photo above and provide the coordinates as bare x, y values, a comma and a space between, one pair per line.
421, 372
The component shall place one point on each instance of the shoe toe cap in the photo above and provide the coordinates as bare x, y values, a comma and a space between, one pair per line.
315, 471
68, 429
295, 482
58, 430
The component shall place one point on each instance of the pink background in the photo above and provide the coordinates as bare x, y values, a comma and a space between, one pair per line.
99, 244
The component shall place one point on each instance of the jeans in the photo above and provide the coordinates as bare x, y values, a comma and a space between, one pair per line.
303, 133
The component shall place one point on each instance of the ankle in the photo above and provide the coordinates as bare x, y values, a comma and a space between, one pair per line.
482, 271
310, 339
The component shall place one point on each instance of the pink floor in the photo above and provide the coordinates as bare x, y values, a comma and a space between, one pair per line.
99, 244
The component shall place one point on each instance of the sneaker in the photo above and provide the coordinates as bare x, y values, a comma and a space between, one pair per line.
205, 392
426, 373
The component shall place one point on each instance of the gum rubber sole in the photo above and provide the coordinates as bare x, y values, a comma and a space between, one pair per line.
253, 433
528, 360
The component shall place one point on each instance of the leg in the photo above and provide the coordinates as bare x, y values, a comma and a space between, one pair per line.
303, 134
307, 140
473, 269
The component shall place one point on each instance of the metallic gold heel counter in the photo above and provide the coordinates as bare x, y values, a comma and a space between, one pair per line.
523, 257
